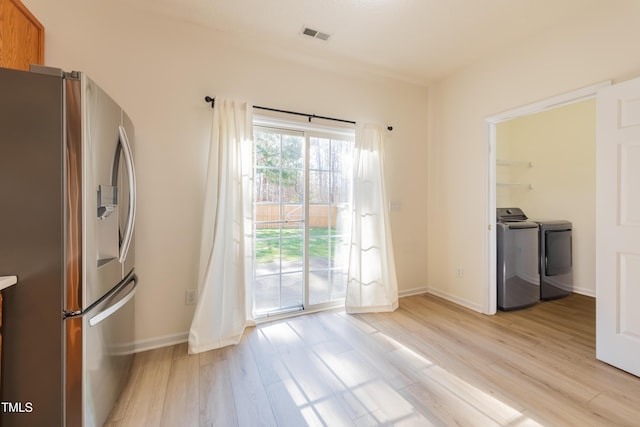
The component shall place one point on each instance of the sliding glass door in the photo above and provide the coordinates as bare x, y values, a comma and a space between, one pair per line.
279, 222
302, 203
330, 176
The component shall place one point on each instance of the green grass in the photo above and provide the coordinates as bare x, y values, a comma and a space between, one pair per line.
289, 244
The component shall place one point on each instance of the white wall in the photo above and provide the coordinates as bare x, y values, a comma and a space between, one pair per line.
160, 70
561, 145
589, 48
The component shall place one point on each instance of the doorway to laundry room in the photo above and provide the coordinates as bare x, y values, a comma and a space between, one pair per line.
543, 162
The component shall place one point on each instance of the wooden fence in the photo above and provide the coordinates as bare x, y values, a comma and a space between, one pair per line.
269, 215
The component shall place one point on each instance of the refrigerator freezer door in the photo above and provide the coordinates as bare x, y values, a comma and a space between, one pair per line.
107, 346
109, 351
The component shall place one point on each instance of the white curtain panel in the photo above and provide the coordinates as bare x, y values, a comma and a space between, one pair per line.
371, 285
224, 294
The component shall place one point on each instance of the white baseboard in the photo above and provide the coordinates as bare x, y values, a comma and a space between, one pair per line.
453, 298
584, 291
456, 299
414, 291
159, 342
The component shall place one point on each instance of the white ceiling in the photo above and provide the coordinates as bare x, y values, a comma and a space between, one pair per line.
419, 41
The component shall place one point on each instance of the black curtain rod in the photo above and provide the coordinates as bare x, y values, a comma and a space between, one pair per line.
309, 116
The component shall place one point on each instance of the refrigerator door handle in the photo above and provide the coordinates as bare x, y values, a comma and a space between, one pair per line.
112, 309
131, 173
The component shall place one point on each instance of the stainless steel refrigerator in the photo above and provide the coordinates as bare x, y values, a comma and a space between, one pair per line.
67, 215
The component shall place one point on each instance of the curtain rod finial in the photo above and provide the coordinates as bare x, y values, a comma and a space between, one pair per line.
389, 128
211, 100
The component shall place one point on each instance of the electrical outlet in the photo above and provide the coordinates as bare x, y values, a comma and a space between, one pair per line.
190, 297
459, 272
395, 205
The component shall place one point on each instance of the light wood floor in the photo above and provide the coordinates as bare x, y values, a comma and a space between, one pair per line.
429, 363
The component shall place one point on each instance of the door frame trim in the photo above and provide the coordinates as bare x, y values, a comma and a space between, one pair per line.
584, 93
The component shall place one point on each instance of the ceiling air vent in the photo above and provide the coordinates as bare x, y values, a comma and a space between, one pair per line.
315, 34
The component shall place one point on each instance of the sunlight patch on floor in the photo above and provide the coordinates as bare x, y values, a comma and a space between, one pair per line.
337, 385
280, 334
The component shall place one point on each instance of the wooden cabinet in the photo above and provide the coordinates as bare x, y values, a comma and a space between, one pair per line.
21, 36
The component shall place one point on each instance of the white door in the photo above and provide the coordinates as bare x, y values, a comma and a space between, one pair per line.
618, 226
